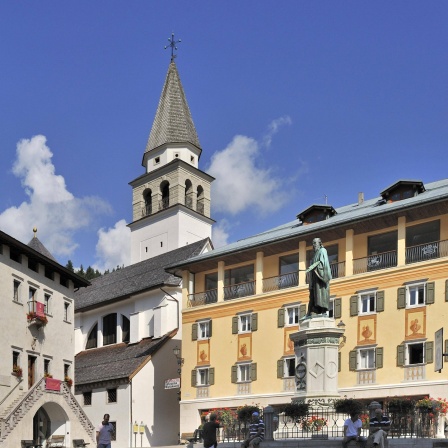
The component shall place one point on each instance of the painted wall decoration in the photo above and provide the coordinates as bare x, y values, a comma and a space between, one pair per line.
288, 344
415, 323
203, 355
244, 347
367, 329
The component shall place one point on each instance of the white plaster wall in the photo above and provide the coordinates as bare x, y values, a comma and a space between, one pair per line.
55, 341
168, 154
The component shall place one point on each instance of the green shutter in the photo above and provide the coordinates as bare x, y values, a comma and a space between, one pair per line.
253, 371
430, 296
339, 361
446, 290
254, 323
234, 374
354, 305
194, 332
235, 325
400, 355
281, 318
211, 376
446, 350
401, 298
379, 301
193, 378
280, 364
302, 309
429, 352
210, 328
352, 360
379, 357
337, 308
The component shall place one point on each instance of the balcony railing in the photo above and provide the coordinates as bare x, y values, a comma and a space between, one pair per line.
240, 290
375, 262
426, 251
280, 282
337, 270
203, 298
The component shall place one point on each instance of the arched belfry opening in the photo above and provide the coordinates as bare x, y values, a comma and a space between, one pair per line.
200, 200
165, 190
188, 194
147, 197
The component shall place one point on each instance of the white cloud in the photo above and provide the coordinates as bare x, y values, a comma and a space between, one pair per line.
56, 212
113, 247
220, 234
274, 127
241, 183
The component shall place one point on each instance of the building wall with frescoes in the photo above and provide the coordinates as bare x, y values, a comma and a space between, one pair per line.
389, 262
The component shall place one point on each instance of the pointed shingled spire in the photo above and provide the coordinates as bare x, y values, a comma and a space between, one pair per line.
173, 122
39, 247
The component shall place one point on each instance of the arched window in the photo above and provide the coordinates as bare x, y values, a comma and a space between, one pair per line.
110, 329
200, 200
165, 190
92, 339
188, 194
125, 329
147, 196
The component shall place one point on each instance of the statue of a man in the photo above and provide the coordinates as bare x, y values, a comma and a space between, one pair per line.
319, 280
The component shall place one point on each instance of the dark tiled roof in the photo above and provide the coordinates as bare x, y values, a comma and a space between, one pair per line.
136, 278
116, 361
39, 247
173, 122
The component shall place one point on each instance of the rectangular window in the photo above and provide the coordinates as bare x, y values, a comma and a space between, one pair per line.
289, 367
33, 265
87, 397
32, 294
202, 377
211, 281
331, 308
66, 312
204, 330
239, 282
47, 298
16, 293
415, 295
244, 373
47, 371
429, 232
366, 358
292, 315
113, 436
245, 321
15, 255
367, 303
112, 395
15, 359
49, 273
289, 264
415, 353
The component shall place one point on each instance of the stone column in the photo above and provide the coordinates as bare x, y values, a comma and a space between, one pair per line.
316, 348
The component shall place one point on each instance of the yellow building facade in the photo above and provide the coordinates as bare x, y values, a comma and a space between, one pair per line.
389, 262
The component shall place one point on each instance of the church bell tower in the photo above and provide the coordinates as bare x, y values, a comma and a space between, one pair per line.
171, 200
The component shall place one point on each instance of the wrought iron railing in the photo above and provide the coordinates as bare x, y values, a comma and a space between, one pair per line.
375, 262
280, 282
240, 290
202, 298
427, 251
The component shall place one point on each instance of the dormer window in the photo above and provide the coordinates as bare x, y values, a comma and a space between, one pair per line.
316, 213
403, 189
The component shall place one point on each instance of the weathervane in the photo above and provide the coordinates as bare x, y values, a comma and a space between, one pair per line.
172, 45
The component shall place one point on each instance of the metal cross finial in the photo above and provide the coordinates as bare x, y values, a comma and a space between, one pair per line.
173, 46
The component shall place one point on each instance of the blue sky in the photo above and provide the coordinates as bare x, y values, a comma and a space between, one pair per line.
292, 101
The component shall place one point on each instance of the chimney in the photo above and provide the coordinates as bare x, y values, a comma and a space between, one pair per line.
360, 198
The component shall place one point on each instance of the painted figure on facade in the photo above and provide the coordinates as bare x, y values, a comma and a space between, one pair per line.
319, 280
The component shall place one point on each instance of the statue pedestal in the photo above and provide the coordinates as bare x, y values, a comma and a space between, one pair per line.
316, 348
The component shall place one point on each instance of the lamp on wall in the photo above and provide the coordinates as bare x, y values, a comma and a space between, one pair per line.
180, 361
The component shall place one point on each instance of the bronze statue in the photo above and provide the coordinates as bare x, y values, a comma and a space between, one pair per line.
319, 280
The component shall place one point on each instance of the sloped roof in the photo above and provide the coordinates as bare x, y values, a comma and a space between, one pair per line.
138, 277
116, 361
173, 122
39, 247
435, 192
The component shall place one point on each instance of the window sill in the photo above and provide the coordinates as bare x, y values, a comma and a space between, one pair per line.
17, 302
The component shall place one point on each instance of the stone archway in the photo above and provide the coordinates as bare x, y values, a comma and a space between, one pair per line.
50, 419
